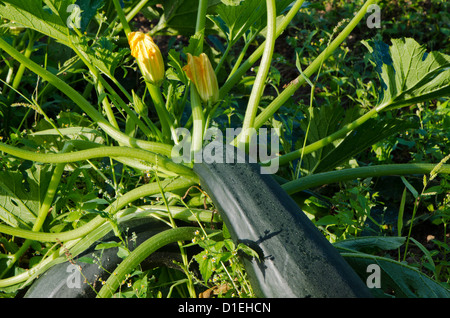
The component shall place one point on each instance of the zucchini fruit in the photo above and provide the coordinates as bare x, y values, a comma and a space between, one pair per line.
295, 259
55, 282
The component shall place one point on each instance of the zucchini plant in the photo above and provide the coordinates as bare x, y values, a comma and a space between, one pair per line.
136, 132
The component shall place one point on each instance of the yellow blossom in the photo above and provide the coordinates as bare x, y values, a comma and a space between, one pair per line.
148, 56
201, 73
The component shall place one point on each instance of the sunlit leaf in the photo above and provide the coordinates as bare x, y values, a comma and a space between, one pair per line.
48, 18
409, 74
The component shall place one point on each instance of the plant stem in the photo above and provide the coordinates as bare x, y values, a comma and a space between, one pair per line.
135, 194
19, 73
163, 115
122, 18
141, 252
243, 52
184, 256
311, 69
119, 102
237, 75
198, 122
161, 163
260, 80
43, 210
201, 19
223, 58
322, 178
284, 159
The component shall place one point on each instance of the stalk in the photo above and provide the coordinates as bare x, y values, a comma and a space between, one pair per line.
286, 158
201, 20
161, 163
21, 69
141, 253
136, 194
43, 211
163, 114
237, 75
322, 178
311, 69
119, 102
198, 123
260, 80
122, 18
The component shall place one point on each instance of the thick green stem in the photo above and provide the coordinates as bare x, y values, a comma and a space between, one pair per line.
43, 211
285, 159
141, 253
201, 18
198, 122
322, 178
122, 18
160, 162
136, 194
164, 116
237, 75
260, 80
311, 69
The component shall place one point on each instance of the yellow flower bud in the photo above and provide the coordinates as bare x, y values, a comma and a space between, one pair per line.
148, 56
201, 73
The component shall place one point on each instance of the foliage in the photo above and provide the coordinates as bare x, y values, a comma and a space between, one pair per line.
87, 143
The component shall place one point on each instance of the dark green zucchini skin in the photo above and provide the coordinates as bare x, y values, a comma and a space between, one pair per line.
296, 260
53, 283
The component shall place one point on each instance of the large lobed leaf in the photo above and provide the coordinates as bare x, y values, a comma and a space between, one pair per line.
409, 74
48, 17
235, 17
21, 195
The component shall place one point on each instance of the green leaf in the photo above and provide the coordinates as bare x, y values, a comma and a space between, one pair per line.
371, 243
236, 17
410, 187
103, 55
408, 73
107, 245
123, 252
247, 250
205, 265
21, 194
89, 9
175, 62
426, 252
396, 278
239, 18
49, 19
85, 259
178, 17
324, 121
369, 133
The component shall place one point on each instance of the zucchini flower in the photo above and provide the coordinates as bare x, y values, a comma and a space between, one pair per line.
201, 73
148, 56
